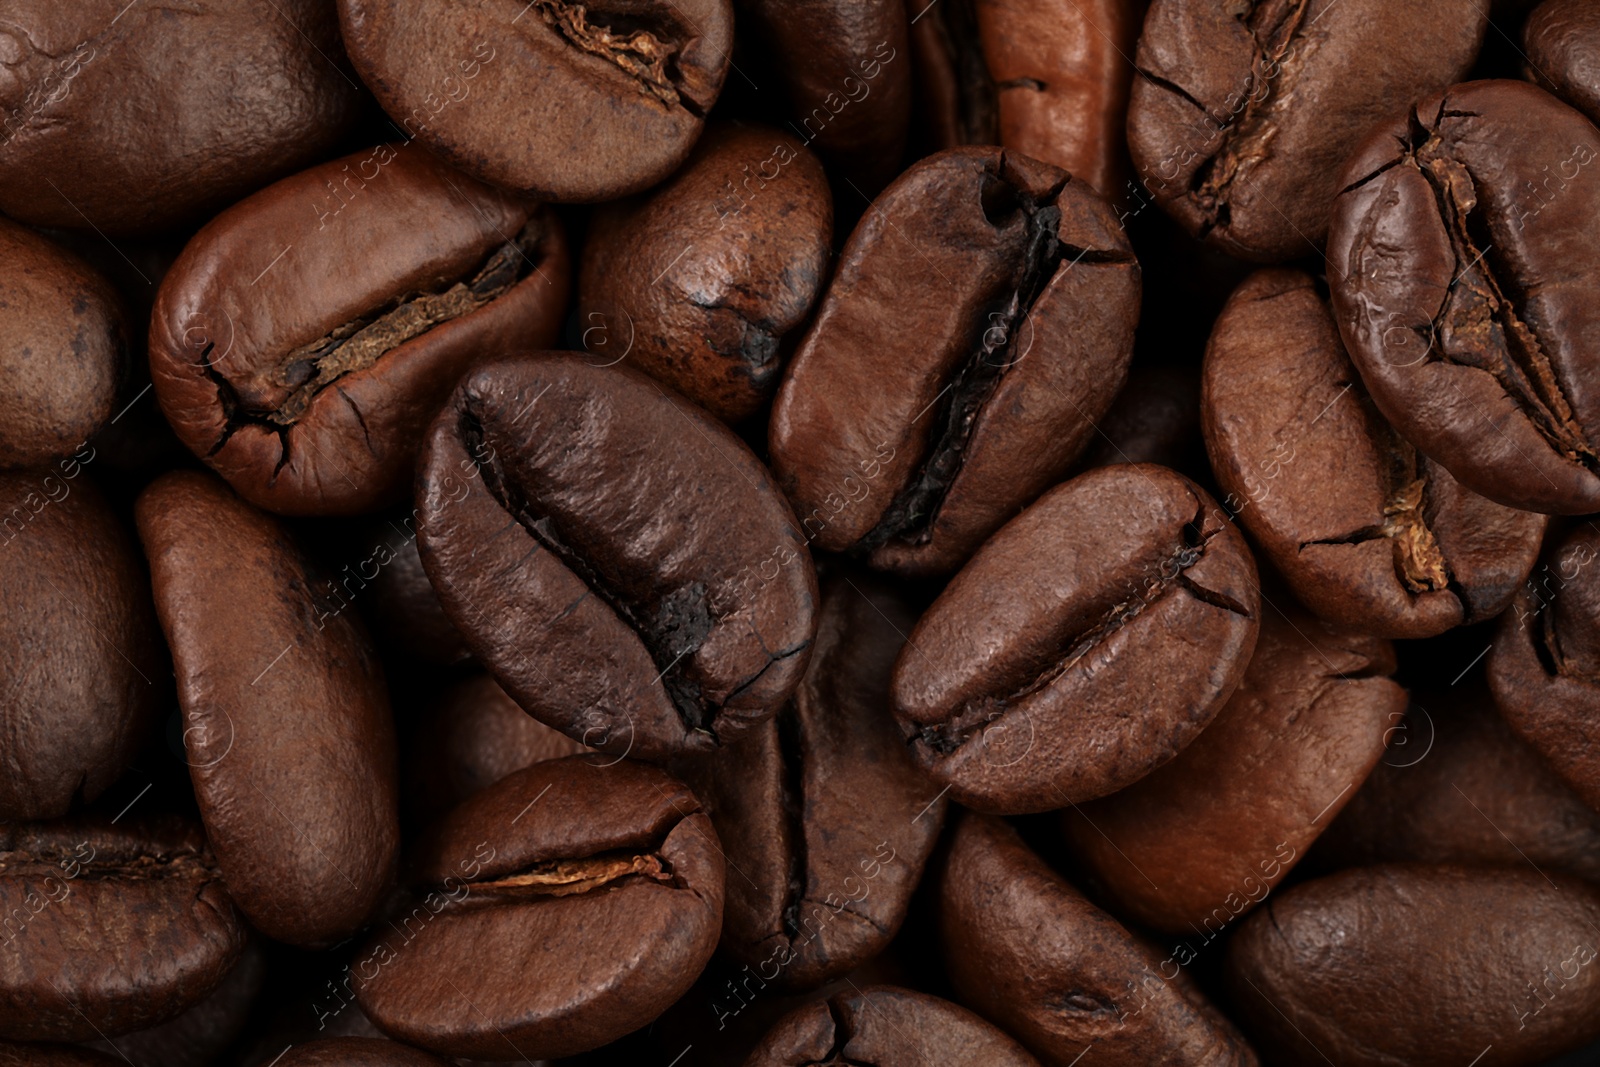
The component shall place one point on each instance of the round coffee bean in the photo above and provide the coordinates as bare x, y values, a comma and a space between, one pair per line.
1561, 40
619, 561
358, 1052
306, 336
567, 102
1087, 643
1466, 296
563, 861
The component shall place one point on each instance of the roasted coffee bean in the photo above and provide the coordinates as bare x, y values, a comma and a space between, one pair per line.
1462, 954
1467, 296
108, 928
561, 908
980, 321
1562, 44
561, 100
287, 729
1049, 80
1242, 113
886, 1027
699, 283
199, 1036
622, 564
358, 1052
1205, 838
82, 670
1087, 643
821, 809
1155, 419
52, 1055
132, 118
1032, 955
307, 380
1544, 668
397, 599
1368, 532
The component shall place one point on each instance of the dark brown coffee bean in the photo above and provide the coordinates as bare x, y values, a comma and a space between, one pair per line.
564, 101
287, 729
1242, 113
699, 283
1368, 532
52, 1055
563, 861
1155, 419
108, 929
132, 118
820, 808
305, 338
1562, 44
199, 1036
619, 561
1205, 838
397, 599
886, 1027
1465, 295
1087, 643
358, 1052
1492, 964
980, 321
1029, 953
82, 670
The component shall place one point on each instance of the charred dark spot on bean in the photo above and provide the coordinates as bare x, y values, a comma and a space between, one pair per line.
148, 867
646, 49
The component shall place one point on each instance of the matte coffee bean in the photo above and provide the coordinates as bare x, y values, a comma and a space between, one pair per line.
307, 335
1243, 113
561, 100
563, 861
358, 1052
1368, 532
1464, 954
108, 928
136, 118
1561, 40
886, 1027
1032, 955
1205, 838
980, 321
619, 561
704, 283
287, 729
1051, 670
82, 670
1465, 295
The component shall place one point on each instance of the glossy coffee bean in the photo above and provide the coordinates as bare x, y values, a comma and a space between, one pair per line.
358, 1052
1561, 41
821, 809
1367, 531
703, 283
564, 861
307, 335
82, 670
287, 729
620, 562
1202, 840
200, 1036
564, 101
1028, 952
1489, 963
1465, 296
886, 1027
1087, 643
108, 928
135, 118
980, 321
1243, 113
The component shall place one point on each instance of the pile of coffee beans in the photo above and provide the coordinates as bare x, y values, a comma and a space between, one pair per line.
799, 533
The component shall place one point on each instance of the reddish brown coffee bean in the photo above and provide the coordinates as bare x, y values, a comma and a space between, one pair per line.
564, 101
133, 118
703, 283
621, 563
1490, 963
199, 1036
358, 1052
1368, 532
886, 1027
614, 866
1033, 956
82, 670
1087, 643
1242, 115
306, 336
1205, 838
1561, 40
980, 321
287, 729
